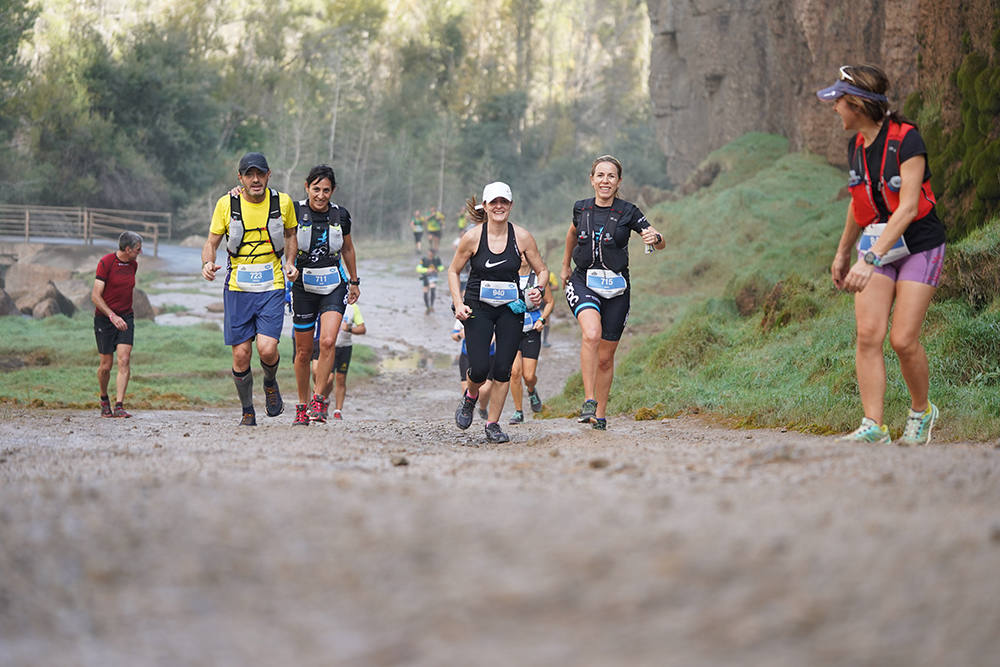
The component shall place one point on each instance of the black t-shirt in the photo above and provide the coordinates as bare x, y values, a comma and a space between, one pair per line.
923, 233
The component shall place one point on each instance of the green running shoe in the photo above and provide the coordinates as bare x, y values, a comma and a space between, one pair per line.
517, 417
918, 427
869, 432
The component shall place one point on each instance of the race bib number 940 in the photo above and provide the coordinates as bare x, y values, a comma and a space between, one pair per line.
497, 292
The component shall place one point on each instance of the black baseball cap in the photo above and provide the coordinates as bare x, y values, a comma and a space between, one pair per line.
253, 160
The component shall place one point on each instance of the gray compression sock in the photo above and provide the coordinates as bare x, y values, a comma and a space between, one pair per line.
244, 387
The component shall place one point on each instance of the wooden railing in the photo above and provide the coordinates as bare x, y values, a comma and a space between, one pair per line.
83, 223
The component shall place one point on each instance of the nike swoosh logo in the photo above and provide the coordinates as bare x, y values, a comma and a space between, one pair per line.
490, 266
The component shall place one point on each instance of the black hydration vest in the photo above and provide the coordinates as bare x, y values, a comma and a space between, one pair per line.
275, 226
597, 247
334, 237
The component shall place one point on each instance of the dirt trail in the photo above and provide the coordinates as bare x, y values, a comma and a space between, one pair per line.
177, 538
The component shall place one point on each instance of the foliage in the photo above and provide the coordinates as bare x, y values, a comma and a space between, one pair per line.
964, 160
738, 318
414, 104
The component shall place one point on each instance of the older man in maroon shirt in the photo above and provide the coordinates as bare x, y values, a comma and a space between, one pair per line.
114, 325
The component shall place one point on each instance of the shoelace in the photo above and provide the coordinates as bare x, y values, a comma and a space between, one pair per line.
913, 426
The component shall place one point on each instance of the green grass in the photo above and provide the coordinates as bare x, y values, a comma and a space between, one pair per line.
53, 363
738, 319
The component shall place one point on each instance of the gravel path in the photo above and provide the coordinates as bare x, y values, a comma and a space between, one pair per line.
393, 538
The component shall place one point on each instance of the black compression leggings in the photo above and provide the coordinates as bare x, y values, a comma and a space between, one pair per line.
479, 330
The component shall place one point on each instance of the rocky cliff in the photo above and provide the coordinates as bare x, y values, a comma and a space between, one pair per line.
722, 68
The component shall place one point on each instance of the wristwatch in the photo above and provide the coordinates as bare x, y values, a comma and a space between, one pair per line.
354, 282
542, 320
873, 259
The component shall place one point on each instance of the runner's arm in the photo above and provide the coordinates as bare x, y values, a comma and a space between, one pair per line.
291, 252
567, 271
912, 174
97, 296
351, 262
208, 251
534, 259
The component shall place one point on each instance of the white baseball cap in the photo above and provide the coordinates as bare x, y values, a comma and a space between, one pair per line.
497, 189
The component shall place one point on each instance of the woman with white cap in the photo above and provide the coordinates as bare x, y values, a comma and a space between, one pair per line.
493, 304
598, 290
900, 240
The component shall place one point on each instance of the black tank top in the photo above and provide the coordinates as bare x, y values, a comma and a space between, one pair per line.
488, 266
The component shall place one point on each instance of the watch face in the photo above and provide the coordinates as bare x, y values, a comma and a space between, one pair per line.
870, 257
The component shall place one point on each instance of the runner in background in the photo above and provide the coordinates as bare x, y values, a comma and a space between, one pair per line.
458, 335
435, 221
526, 361
417, 225
114, 322
429, 268
353, 324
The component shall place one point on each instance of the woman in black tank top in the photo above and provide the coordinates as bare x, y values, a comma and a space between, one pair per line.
493, 305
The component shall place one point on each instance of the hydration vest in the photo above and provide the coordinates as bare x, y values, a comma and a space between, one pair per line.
334, 238
598, 247
275, 225
526, 282
889, 182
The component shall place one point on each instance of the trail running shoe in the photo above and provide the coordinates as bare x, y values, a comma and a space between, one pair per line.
869, 432
588, 413
600, 424
918, 427
494, 434
317, 409
517, 417
106, 409
337, 415
535, 400
120, 411
483, 414
301, 415
463, 416
249, 418
273, 404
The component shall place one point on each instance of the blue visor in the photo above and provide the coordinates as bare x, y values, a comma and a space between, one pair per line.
844, 88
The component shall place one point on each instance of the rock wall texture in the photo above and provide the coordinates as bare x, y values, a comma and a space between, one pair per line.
721, 68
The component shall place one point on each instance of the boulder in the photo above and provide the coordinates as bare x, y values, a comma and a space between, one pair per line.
77, 291
26, 277
29, 302
7, 305
46, 308
141, 307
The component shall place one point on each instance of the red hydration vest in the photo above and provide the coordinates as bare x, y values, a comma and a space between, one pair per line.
862, 198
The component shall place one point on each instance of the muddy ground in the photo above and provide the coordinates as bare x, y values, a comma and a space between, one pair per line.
393, 538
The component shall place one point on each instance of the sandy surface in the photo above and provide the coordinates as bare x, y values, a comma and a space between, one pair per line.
178, 538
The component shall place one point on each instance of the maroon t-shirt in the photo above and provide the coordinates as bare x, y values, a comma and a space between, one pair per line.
119, 281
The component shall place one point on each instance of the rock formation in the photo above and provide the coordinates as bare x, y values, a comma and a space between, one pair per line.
719, 69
